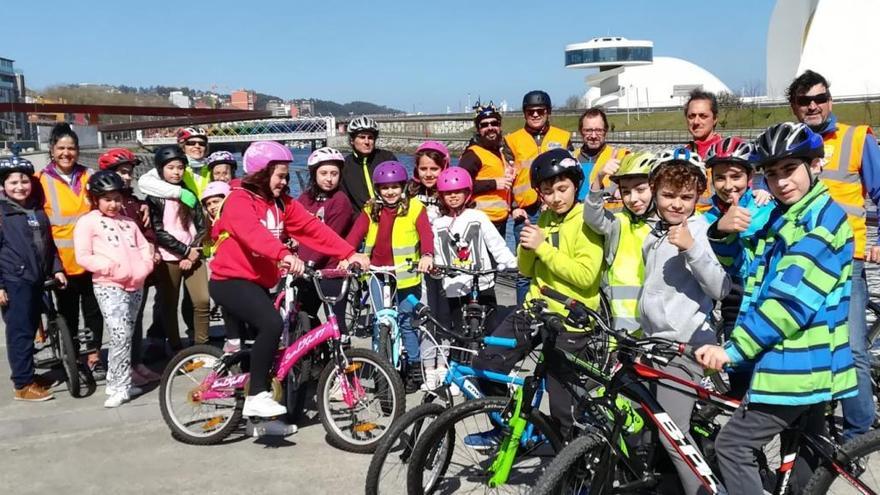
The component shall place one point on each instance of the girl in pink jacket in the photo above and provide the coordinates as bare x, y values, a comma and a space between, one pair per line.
112, 247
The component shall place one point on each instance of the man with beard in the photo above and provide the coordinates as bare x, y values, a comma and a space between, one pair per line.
595, 153
851, 168
365, 156
491, 172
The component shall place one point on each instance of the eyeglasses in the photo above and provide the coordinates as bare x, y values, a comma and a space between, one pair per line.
538, 112
490, 123
819, 99
195, 143
597, 132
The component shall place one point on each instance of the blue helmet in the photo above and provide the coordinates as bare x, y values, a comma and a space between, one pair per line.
787, 140
14, 164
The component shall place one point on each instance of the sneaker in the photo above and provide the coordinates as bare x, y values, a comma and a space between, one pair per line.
231, 346
262, 405
484, 440
134, 391
99, 371
117, 399
33, 393
146, 373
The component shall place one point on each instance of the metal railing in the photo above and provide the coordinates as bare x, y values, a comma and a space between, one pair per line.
288, 129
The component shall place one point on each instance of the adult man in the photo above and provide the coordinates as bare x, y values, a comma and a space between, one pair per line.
358, 167
701, 112
852, 166
523, 145
595, 152
492, 174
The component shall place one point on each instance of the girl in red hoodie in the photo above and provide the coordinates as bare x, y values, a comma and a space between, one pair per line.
250, 255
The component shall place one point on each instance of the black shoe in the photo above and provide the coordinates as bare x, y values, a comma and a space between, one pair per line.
99, 370
414, 378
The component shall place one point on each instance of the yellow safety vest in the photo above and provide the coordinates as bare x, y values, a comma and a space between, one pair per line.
525, 149
610, 187
842, 175
404, 242
495, 204
64, 208
626, 275
197, 182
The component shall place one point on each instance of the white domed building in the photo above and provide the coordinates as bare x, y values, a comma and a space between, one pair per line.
631, 77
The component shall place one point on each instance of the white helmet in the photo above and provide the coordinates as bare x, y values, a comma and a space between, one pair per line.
323, 155
363, 124
680, 155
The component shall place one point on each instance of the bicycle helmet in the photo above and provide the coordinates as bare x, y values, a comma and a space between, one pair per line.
185, 133
261, 154
324, 155
635, 165
554, 163
215, 188
221, 157
104, 181
730, 150
485, 112
363, 124
167, 153
536, 99
115, 157
389, 172
12, 164
455, 179
680, 156
439, 148
787, 140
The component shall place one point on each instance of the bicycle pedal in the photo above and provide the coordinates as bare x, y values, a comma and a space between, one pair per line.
261, 427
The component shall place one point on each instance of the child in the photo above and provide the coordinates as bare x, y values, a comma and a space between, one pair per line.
682, 281
123, 162
27, 258
793, 325
179, 233
222, 165
624, 232
331, 205
731, 172
112, 247
559, 252
212, 200
432, 158
397, 230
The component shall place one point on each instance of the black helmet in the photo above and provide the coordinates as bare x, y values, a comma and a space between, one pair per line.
104, 181
554, 163
14, 164
787, 140
167, 153
536, 99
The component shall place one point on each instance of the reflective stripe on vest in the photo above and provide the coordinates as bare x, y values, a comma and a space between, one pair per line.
368, 180
610, 187
63, 209
841, 173
495, 204
627, 273
404, 242
525, 149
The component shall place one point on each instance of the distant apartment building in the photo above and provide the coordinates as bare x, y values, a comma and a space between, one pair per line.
304, 107
178, 99
242, 99
12, 90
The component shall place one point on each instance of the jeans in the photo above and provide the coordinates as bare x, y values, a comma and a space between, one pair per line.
522, 283
21, 316
858, 411
410, 335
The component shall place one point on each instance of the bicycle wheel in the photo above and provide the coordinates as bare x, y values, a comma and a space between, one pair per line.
296, 385
442, 462
194, 420
581, 467
68, 351
857, 457
387, 472
385, 345
377, 400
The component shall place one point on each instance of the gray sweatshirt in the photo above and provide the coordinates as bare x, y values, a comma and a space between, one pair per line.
680, 287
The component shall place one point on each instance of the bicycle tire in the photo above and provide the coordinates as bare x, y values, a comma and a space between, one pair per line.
362, 436
386, 347
858, 448
452, 422
568, 468
69, 354
401, 437
218, 431
296, 384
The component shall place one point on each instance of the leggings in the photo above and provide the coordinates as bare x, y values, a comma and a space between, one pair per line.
120, 308
250, 303
169, 277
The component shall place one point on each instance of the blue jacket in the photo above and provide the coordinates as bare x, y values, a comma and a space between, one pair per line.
27, 251
760, 215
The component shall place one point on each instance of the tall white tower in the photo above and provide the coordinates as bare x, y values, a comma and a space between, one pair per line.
611, 55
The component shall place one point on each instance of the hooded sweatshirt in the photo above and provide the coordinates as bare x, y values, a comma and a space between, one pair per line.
681, 286
27, 251
113, 249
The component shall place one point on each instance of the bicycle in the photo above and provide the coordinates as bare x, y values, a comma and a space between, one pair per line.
359, 395
597, 464
65, 349
474, 314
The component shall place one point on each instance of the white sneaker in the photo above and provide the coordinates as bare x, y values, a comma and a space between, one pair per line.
117, 399
262, 405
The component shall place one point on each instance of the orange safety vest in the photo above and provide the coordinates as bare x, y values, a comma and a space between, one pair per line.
842, 174
610, 187
495, 204
64, 208
525, 149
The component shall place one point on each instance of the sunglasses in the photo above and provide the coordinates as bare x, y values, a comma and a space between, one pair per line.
491, 123
195, 143
540, 112
819, 99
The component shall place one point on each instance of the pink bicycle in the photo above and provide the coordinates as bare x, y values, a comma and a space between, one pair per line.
359, 394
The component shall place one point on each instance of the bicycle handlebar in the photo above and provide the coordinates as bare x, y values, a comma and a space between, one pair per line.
468, 271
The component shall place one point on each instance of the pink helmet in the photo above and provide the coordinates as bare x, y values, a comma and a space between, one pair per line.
322, 155
454, 179
261, 153
215, 188
438, 147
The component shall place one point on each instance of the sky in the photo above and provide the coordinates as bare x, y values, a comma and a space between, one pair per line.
411, 55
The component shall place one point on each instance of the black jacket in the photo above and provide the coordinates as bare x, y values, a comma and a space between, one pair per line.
27, 251
166, 240
353, 180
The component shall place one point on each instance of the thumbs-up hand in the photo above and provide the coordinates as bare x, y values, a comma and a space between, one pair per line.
680, 236
737, 218
611, 167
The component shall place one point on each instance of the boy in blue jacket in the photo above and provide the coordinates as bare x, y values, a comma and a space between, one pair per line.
27, 258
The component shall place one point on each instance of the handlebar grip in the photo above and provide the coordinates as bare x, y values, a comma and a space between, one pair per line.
51, 283
500, 342
688, 351
410, 305
333, 273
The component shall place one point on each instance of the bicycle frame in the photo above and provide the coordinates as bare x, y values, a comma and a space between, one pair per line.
382, 289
